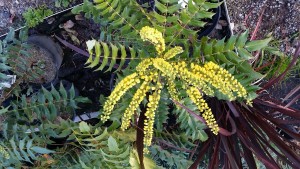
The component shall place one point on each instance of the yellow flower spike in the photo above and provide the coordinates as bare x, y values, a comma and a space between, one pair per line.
220, 78
172, 89
144, 65
191, 78
154, 36
165, 67
173, 52
4, 153
134, 104
124, 85
150, 115
196, 97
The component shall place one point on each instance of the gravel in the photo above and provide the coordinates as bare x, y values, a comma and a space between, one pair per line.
281, 18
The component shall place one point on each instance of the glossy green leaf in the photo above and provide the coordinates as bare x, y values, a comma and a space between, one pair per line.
4, 110
16, 152
98, 53
123, 57
55, 93
41, 150
21, 148
159, 18
257, 44
63, 91
230, 43
114, 56
105, 57
112, 144
241, 41
84, 127
244, 54
161, 7
72, 92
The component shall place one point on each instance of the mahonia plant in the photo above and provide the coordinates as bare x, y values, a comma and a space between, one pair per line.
155, 73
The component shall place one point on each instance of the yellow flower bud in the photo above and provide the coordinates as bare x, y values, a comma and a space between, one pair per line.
154, 36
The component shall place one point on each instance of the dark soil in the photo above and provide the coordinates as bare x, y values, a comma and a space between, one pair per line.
90, 83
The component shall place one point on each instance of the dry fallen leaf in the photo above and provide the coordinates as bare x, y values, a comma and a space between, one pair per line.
79, 17
68, 25
74, 39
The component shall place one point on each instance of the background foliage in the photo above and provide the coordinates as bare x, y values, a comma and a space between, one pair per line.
34, 134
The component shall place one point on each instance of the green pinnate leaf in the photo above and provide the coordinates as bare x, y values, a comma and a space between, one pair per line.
257, 44
242, 39
114, 56
112, 144
41, 150
84, 127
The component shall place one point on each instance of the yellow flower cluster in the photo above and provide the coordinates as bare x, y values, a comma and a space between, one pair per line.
144, 65
195, 78
124, 85
191, 78
196, 97
4, 153
150, 114
220, 78
134, 104
154, 36
165, 67
172, 89
173, 52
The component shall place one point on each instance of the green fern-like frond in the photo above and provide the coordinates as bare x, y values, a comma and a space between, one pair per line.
3, 65
123, 18
12, 48
22, 151
163, 109
192, 127
89, 9
169, 160
35, 16
172, 150
181, 25
46, 104
101, 53
112, 148
234, 55
20, 146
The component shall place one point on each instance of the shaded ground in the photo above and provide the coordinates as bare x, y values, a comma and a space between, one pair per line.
281, 18
11, 11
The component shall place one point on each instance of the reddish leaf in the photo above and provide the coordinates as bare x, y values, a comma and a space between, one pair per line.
214, 159
201, 153
140, 137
